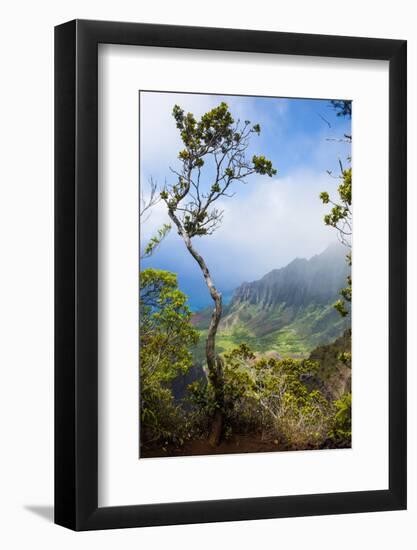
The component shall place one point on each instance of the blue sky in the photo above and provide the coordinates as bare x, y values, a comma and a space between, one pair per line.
269, 221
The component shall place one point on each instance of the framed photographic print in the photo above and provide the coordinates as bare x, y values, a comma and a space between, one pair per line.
230, 275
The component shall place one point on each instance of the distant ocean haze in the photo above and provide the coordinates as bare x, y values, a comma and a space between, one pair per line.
198, 302
193, 285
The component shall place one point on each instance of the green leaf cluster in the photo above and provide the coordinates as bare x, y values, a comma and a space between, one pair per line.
343, 107
211, 131
340, 217
216, 138
340, 211
341, 431
263, 166
166, 336
156, 240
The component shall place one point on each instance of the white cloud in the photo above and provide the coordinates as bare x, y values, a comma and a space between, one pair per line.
263, 228
280, 219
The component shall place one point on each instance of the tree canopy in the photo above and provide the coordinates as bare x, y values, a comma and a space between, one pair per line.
166, 336
216, 136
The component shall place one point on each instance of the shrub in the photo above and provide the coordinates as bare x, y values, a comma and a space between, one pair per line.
268, 396
341, 430
166, 334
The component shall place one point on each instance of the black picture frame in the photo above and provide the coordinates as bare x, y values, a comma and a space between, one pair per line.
76, 272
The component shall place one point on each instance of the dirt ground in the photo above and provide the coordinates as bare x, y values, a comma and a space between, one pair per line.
237, 444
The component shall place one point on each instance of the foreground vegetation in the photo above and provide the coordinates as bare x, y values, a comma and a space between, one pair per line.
284, 404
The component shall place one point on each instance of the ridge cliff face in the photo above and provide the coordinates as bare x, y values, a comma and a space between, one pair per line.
289, 311
302, 282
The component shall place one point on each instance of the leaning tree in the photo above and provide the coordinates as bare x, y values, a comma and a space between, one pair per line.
213, 160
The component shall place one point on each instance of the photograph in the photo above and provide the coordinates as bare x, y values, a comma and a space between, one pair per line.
245, 282
208, 341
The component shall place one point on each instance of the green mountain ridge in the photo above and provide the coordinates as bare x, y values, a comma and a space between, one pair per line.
288, 312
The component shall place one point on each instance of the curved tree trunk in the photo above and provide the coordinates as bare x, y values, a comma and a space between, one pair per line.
214, 364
